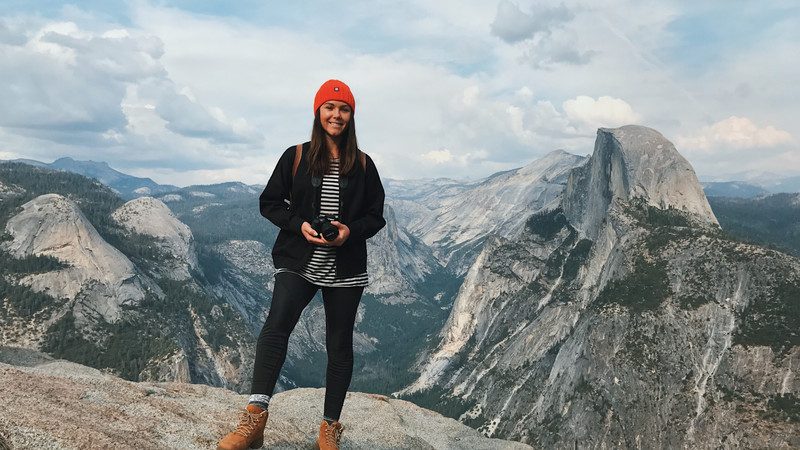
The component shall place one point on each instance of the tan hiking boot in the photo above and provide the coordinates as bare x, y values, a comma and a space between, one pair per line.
249, 433
329, 435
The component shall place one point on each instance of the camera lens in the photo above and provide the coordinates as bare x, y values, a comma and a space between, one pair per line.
322, 225
329, 232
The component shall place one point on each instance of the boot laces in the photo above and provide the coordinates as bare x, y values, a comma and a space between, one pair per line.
247, 424
333, 434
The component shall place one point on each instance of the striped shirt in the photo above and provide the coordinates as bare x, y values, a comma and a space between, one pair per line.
321, 268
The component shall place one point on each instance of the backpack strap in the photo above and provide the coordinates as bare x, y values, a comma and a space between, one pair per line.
298, 154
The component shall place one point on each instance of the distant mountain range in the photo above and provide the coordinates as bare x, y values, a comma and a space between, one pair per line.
738, 185
736, 189
772, 221
127, 186
745, 184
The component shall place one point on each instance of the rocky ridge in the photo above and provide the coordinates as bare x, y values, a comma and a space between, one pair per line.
68, 291
97, 410
244, 278
398, 261
455, 224
632, 162
98, 279
151, 217
623, 317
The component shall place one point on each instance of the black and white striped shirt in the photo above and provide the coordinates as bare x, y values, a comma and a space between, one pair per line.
321, 268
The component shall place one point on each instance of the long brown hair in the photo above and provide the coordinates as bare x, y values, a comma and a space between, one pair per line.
318, 161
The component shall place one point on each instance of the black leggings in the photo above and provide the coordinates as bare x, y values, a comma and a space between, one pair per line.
291, 295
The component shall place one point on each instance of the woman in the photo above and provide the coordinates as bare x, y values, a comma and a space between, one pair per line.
325, 180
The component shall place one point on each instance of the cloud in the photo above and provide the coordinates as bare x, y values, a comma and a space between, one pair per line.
438, 156
182, 114
225, 100
498, 132
512, 25
556, 50
455, 165
10, 36
111, 55
70, 85
524, 93
604, 112
734, 133
541, 34
187, 96
45, 90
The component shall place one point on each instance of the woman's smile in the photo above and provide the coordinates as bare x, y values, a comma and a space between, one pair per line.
334, 116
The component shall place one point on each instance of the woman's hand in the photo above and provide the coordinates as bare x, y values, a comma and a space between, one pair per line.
344, 233
311, 234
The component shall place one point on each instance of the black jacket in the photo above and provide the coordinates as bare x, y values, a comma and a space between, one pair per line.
361, 209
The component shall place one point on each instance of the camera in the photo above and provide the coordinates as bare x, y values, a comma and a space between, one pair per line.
322, 225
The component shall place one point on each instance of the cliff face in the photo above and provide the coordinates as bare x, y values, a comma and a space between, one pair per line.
89, 302
632, 162
457, 220
205, 278
398, 261
623, 317
98, 279
151, 217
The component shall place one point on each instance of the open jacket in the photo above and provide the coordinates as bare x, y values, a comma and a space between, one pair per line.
289, 201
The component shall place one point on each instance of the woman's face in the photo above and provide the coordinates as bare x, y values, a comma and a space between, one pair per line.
334, 117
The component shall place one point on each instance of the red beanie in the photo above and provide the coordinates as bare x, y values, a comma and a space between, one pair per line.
334, 90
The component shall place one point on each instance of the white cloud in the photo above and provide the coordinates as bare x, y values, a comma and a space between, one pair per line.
188, 95
513, 25
734, 133
249, 173
541, 34
470, 95
97, 89
556, 50
516, 116
606, 112
524, 93
438, 156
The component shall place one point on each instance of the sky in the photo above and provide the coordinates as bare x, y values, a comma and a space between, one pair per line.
204, 92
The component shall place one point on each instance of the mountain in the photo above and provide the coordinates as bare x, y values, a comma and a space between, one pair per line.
96, 280
455, 219
31, 162
151, 217
756, 177
772, 182
632, 162
99, 410
87, 277
125, 185
739, 189
399, 260
406, 283
786, 184
772, 221
623, 317
580, 301
202, 254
